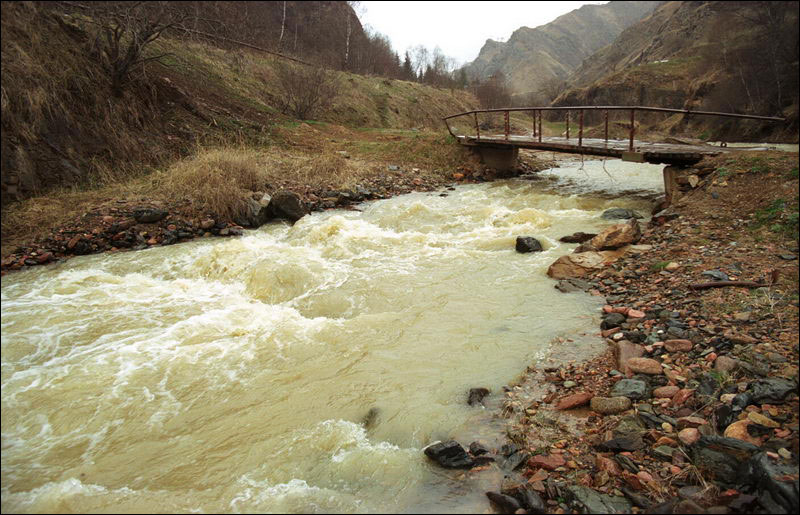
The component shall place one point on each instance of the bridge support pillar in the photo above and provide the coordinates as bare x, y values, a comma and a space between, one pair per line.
672, 178
502, 159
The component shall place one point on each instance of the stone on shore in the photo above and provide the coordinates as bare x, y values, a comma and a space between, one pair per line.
610, 405
287, 205
645, 366
574, 400
583, 264
614, 237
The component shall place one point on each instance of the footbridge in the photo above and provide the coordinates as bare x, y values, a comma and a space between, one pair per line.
500, 149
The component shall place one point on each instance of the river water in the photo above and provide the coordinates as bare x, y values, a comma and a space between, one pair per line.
235, 375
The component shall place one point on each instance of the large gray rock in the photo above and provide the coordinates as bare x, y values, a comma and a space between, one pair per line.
147, 215
587, 500
632, 389
777, 483
286, 205
620, 213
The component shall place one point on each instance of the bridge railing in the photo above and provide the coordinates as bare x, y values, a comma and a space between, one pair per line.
537, 112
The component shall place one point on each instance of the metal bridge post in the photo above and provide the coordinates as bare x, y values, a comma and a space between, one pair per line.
580, 131
533, 134
568, 124
477, 127
505, 114
630, 145
606, 126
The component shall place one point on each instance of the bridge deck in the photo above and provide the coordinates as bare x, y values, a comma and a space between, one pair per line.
644, 151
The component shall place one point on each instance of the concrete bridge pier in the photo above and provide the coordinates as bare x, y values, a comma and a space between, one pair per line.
502, 159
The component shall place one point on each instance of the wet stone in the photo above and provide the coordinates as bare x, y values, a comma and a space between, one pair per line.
476, 395
449, 454
528, 244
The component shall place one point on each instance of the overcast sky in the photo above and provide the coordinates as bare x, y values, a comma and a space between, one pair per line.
459, 28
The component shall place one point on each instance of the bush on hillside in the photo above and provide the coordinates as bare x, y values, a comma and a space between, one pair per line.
305, 91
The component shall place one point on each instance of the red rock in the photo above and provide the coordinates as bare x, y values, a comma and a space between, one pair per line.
573, 401
665, 392
547, 461
678, 345
644, 476
635, 313
645, 366
73, 241
625, 350
711, 357
458, 176
684, 422
608, 309
621, 310
108, 219
152, 241
44, 258
609, 332
607, 464
666, 440
682, 396
689, 435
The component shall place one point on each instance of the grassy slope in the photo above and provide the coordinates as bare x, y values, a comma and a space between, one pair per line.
199, 103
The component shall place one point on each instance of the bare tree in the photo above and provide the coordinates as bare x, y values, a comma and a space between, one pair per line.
123, 31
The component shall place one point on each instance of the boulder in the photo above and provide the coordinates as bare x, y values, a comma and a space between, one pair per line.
449, 454
148, 215
577, 237
528, 244
614, 237
287, 205
574, 400
585, 263
620, 213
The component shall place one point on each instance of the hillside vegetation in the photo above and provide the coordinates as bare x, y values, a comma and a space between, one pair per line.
64, 127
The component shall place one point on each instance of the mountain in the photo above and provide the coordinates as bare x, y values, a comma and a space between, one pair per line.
532, 56
739, 57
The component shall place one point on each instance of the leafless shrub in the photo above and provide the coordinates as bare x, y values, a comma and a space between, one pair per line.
305, 91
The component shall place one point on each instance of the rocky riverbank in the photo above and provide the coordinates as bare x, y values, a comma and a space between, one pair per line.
693, 407
134, 224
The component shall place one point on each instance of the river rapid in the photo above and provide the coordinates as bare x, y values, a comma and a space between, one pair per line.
237, 375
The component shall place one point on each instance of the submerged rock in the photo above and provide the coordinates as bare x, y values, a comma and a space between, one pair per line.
476, 395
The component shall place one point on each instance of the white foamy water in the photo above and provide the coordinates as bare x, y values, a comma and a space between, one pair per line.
233, 375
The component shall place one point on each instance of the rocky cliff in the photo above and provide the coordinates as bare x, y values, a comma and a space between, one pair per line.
531, 56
